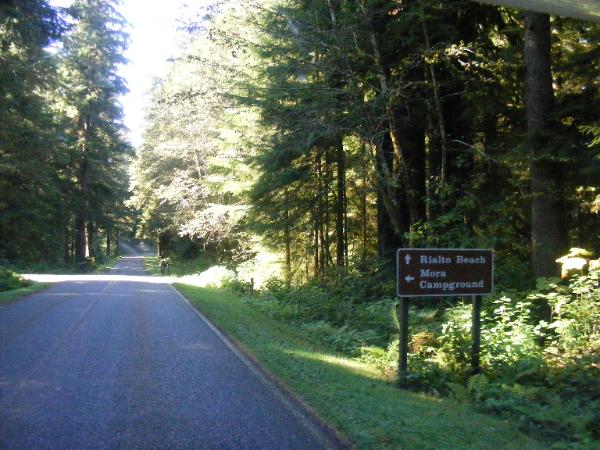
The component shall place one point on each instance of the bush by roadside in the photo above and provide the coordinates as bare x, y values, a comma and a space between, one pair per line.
10, 280
540, 351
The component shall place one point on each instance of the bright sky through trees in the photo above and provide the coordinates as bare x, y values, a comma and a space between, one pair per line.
153, 35
153, 40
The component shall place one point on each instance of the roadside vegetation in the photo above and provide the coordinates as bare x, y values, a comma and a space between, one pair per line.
540, 364
14, 294
354, 396
101, 264
63, 151
13, 286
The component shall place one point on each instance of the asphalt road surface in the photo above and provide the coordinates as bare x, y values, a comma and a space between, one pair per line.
122, 361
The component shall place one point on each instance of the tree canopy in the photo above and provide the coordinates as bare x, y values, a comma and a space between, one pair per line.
63, 147
376, 125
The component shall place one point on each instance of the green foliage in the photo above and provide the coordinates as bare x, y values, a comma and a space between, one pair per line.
238, 286
509, 335
572, 330
10, 280
545, 374
189, 175
358, 400
30, 142
541, 374
384, 359
62, 148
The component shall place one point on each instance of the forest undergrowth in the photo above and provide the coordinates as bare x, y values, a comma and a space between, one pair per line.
540, 347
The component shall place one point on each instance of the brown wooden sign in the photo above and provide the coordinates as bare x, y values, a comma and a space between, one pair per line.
427, 272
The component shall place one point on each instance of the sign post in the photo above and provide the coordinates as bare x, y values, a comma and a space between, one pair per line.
476, 333
435, 272
403, 345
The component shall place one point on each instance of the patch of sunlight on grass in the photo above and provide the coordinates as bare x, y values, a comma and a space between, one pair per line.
350, 365
213, 276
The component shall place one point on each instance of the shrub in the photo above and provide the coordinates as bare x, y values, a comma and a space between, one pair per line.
238, 286
574, 326
10, 280
385, 359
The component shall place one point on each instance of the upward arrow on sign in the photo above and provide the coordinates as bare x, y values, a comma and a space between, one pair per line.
407, 259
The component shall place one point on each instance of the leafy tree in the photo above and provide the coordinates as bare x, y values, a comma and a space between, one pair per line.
189, 175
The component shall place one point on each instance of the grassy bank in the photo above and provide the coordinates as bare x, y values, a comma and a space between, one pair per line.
355, 398
15, 294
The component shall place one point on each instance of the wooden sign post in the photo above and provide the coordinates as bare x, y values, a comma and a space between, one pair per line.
435, 272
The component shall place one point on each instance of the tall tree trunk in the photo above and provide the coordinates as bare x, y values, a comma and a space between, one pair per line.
398, 170
288, 247
108, 243
363, 203
338, 143
317, 259
432, 168
438, 106
392, 219
67, 246
83, 200
320, 213
80, 241
548, 231
81, 212
346, 233
326, 235
387, 239
340, 210
413, 140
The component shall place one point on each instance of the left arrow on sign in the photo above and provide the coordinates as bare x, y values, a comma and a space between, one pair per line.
408, 278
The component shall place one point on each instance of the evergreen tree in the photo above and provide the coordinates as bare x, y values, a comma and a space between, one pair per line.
30, 148
91, 54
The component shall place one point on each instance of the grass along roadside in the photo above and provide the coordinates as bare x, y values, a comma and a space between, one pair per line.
349, 395
14, 294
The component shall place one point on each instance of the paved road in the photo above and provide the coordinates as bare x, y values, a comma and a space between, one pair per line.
120, 362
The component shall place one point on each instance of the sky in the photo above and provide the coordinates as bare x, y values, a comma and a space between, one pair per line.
153, 39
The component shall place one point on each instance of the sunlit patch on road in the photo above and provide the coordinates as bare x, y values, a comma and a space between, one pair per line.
44, 278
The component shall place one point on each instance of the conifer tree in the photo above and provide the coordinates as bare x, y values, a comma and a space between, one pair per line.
30, 158
91, 53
